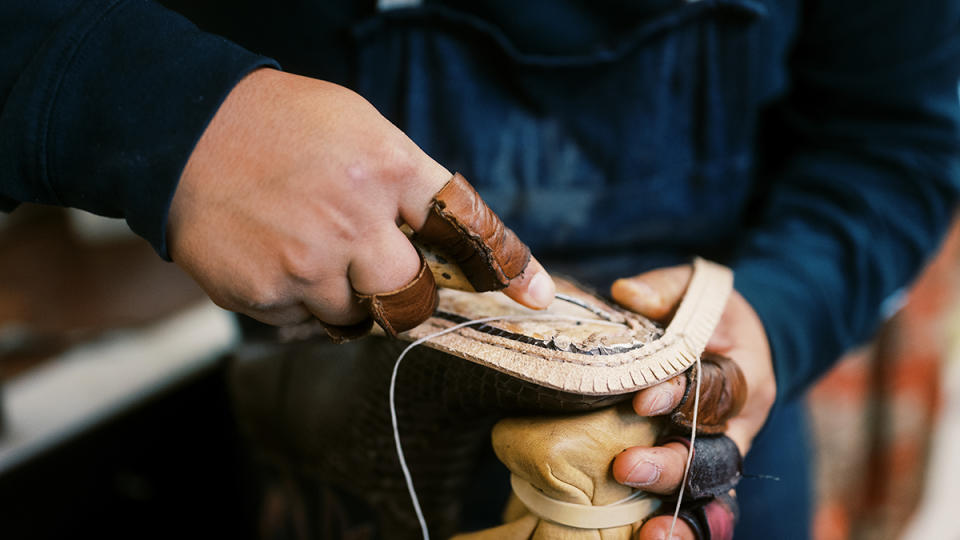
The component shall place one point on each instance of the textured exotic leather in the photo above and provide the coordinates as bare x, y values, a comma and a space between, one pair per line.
723, 392
327, 414
318, 416
461, 225
402, 309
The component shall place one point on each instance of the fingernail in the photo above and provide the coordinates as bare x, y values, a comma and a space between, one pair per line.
661, 404
643, 474
541, 289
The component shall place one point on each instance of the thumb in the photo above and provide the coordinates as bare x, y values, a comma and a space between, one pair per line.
654, 294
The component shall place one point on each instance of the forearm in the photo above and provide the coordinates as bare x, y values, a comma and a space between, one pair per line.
818, 278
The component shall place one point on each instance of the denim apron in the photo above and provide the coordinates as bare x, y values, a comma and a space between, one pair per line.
633, 154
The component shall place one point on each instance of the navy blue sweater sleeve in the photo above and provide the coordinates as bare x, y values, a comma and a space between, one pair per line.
867, 182
103, 101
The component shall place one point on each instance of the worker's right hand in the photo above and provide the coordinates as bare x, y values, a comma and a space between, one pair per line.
290, 202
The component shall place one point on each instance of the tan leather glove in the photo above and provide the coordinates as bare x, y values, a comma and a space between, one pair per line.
568, 458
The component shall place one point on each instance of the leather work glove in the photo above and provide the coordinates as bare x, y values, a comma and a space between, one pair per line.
289, 205
564, 487
568, 459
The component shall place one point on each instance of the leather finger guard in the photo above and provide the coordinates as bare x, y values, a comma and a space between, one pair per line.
712, 519
723, 391
716, 467
461, 225
400, 310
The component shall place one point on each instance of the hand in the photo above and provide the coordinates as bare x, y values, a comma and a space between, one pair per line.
291, 200
739, 336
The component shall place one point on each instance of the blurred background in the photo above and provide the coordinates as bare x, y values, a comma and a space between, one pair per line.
116, 419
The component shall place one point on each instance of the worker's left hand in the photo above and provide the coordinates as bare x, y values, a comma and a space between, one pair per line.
740, 336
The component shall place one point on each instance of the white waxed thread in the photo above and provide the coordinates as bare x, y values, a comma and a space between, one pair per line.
393, 386
693, 439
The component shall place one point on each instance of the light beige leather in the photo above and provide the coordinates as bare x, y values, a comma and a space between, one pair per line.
569, 459
587, 346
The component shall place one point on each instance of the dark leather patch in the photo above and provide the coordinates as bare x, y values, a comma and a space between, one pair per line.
716, 467
462, 226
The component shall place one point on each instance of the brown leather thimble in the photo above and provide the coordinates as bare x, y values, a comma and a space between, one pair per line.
462, 226
723, 392
470, 235
404, 308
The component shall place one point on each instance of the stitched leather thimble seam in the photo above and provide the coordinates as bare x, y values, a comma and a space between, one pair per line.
463, 226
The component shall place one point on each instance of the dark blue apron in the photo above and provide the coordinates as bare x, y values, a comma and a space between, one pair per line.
633, 154
620, 153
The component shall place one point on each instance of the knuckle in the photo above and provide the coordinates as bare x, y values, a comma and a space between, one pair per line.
223, 302
341, 231
262, 298
402, 159
392, 161
303, 262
